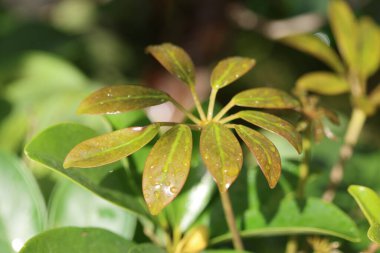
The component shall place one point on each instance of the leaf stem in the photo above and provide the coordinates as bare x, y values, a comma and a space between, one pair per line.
229, 118
354, 129
182, 109
224, 110
304, 166
292, 245
230, 217
193, 127
197, 102
211, 103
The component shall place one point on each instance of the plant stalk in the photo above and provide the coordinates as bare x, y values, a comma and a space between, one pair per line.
292, 245
182, 109
197, 102
304, 166
354, 129
230, 217
224, 110
211, 103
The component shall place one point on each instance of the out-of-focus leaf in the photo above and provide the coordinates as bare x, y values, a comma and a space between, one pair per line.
369, 47
265, 98
81, 240
22, 207
175, 60
324, 83
274, 124
145, 248
71, 205
121, 98
369, 203
266, 153
11, 136
314, 46
222, 154
224, 251
229, 70
195, 240
110, 147
167, 167
345, 30
50, 148
375, 96
311, 217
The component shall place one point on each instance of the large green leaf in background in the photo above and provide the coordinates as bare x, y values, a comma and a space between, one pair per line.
77, 240
71, 205
50, 149
22, 208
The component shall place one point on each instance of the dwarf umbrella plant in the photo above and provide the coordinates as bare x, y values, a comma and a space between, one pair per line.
168, 164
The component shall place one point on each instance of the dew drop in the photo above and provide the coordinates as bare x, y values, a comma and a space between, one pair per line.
173, 190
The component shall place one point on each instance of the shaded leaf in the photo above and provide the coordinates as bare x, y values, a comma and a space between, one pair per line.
265, 98
81, 240
315, 216
369, 203
274, 124
50, 148
121, 98
71, 205
110, 147
344, 28
145, 248
175, 60
375, 96
22, 208
314, 46
369, 47
265, 152
222, 154
167, 167
324, 83
229, 70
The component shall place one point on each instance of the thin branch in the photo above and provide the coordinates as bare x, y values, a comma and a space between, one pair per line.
211, 104
182, 109
197, 102
229, 118
224, 110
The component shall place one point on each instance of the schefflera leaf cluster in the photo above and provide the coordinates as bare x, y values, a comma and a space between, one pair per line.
168, 163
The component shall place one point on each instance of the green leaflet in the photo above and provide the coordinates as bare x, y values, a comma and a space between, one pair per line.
222, 154
121, 98
369, 203
167, 167
175, 60
322, 82
265, 98
110, 147
229, 70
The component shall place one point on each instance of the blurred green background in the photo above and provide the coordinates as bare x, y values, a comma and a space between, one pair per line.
55, 52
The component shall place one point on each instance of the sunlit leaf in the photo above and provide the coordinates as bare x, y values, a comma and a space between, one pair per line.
222, 154
369, 203
121, 98
175, 60
81, 240
167, 167
266, 153
229, 70
50, 148
195, 240
314, 216
265, 98
314, 46
274, 124
324, 83
110, 147
345, 30
369, 47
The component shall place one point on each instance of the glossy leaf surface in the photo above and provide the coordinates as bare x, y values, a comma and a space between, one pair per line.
78, 240
121, 98
167, 167
229, 70
71, 205
315, 216
222, 154
264, 151
369, 46
175, 60
324, 83
274, 124
50, 148
110, 147
22, 208
265, 98
314, 46
344, 27
369, 203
